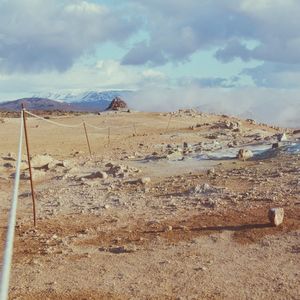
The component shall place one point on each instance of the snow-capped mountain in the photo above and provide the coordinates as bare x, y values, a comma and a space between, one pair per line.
89, 96
87, 101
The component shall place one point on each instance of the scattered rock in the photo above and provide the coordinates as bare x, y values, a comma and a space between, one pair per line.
67, 164
10, 156
282, 137
52, 165
145, 180
40, 161
232, 125
120, 171
210, 171
276, 216
244, 154
205, 189
9, 165
118, 250
176, 155
36, 175
98, 174
275, 145
73, 170
168, 228
251, 121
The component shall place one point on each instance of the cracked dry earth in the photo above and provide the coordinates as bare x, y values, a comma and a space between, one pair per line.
132, 222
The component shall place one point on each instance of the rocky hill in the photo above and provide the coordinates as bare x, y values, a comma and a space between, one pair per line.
117, 104
36, 104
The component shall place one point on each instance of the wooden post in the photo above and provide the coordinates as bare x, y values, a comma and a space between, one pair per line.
29, 165
169, 122
87, 138
134, 129
108, 136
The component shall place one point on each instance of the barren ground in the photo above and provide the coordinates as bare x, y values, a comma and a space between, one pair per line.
198, 229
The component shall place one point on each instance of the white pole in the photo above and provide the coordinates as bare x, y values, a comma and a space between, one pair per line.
8, 251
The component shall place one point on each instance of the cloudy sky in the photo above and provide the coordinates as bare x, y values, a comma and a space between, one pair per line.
243, 47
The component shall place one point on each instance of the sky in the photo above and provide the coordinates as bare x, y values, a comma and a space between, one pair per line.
213, 50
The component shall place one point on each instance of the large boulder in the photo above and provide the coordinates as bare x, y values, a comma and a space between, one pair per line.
117, 104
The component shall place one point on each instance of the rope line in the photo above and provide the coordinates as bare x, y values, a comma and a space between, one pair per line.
53, 122
8, 251
105, 128
77, 125
95, 127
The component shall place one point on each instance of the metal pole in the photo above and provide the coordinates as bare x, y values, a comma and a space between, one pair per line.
29, 165
10, 234
87, 138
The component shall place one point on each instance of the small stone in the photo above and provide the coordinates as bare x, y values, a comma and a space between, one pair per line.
244, 154
168, 228
176, 155
145, 180
184, 228
67, 164
9, 165
276, 216
10, 156
36, 175
98, 174
40, 161
275, 145
282, 137
210, 171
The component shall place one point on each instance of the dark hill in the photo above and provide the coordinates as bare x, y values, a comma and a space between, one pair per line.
36, 104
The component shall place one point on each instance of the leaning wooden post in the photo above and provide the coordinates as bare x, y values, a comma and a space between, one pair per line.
134, 129
108, 136
29, 165
87, 138
169, 122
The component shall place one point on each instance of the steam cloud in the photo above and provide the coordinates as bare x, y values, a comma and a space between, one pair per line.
272, 106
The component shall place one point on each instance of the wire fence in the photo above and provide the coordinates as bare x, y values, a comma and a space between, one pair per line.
8, 249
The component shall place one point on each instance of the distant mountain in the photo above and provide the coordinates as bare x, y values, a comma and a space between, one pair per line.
87, 101
36, 104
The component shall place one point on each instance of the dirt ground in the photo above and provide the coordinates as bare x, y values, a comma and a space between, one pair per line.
147, 217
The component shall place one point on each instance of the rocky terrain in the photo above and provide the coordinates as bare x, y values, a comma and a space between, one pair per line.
162, 209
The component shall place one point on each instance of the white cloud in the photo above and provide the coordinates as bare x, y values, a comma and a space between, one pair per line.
177, 29
38, 35
86, 7
153, 74
103, 74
